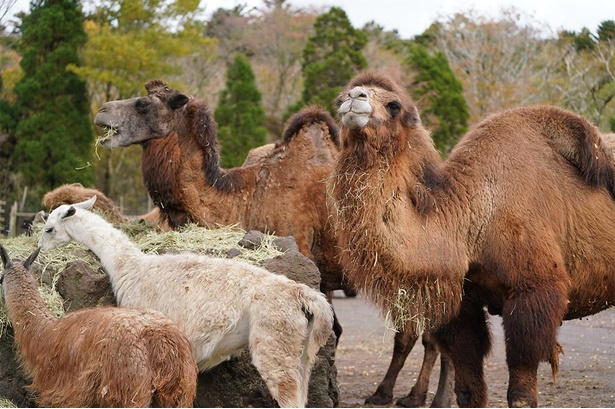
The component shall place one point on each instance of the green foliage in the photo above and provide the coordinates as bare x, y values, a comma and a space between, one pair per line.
54, 136
444, 109
239, 114
332, 56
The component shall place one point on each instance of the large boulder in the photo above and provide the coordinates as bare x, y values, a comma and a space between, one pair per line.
234, 383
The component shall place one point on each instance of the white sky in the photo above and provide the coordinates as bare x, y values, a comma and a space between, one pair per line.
412, 17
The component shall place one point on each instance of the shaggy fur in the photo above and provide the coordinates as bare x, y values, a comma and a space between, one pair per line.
99, 357
282, 192
77, 193
222, 305
519, 218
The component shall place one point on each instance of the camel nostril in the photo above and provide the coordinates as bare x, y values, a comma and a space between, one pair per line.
358, 93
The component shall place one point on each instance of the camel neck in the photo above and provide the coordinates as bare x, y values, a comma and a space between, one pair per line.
25, 306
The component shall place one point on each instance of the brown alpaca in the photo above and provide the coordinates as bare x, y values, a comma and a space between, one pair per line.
283, 191
76, 193
519, 219
99, 357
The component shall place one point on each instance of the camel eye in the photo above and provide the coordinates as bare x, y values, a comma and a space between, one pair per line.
141, 105
393, 108
48, 229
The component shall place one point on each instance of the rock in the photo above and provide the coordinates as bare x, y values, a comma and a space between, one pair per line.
234, 383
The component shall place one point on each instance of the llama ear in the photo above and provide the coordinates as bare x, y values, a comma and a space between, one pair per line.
71, 211
28, 263
5, 256
178, 101
87, 205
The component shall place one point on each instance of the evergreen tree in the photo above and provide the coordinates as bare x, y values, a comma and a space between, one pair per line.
54, 135
444, 108
331, 58
240, 116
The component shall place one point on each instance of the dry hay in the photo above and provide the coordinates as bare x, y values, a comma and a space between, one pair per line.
192, 238
6, 403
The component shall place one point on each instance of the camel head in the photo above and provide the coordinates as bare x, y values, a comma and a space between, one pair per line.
375, 109
136, 120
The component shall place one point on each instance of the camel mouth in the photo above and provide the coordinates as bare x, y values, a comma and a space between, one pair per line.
109, 133
357, 121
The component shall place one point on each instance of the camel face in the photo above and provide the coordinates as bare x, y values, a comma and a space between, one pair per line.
355, 111
136, 120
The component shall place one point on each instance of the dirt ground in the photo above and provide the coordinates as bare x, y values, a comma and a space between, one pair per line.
587, 368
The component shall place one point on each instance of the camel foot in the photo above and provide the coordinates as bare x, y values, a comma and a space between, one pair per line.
522, 403
411, 401
379, 399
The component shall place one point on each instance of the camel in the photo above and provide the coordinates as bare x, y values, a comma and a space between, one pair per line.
281, 192
518, 219
72, 193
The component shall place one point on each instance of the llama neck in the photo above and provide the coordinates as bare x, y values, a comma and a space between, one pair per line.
388, 218
25, 307
114, 249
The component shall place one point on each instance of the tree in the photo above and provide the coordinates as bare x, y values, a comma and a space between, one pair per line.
331, 57
443, 109
239, 114
54, 135
497, 60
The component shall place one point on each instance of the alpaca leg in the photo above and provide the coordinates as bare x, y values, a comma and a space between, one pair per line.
277, 359
466, 339
418, 393
531, 321
403, 344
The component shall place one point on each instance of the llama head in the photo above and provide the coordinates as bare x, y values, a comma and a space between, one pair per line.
136, 120
54, 232
10, 266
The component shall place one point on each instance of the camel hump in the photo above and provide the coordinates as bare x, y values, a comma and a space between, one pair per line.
308, 116
581, 143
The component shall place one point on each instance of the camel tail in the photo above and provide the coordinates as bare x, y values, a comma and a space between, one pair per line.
307, 116
581, 143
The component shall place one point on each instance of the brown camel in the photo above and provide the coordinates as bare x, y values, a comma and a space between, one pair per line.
519, 218
180, 166
72, 193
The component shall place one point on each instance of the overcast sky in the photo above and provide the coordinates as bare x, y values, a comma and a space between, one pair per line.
411, 17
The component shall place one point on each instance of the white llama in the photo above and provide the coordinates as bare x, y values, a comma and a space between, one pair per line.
222, 305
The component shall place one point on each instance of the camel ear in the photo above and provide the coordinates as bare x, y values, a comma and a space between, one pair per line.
5, 256
28, 263
87, 205
412, 117
70, 212
178, 101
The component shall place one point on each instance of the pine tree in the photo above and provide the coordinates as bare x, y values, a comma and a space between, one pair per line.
444, 110
331, 58
54, 134
240, 116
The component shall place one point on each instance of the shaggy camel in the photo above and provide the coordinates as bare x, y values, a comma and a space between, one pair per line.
223, 305
75, 193
283, 191
98, 357
519, 218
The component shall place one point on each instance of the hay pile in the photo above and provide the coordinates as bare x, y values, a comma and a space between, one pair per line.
192, 238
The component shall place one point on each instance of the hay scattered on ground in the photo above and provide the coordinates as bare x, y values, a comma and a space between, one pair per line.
5, 403
192, 238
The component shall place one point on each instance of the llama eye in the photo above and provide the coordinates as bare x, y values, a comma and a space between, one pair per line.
48, 229
393, 108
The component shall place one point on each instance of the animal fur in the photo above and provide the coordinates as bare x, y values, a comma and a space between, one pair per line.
76, 193
99, 357
519, 218
222, 305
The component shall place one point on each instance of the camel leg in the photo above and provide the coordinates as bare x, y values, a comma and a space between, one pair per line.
445, 395
467, 340
531, 321
418, 394
403, 344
